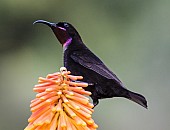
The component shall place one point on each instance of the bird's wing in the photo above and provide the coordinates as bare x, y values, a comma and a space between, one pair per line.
90, 61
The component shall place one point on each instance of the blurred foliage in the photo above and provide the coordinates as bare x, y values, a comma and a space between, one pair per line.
130, 36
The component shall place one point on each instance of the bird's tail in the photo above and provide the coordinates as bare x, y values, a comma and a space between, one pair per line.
137, 98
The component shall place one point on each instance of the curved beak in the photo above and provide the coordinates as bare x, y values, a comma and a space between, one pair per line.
46, 22
60, 33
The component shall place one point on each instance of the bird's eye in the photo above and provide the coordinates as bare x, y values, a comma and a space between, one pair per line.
62, 24
66, 25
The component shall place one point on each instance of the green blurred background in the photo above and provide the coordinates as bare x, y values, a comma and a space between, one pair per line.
131, 36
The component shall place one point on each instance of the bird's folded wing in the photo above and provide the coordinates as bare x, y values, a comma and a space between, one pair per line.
92, 62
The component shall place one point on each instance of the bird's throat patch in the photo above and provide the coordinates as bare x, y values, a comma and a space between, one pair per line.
67, 43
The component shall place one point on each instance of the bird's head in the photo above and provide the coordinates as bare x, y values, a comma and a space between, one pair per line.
64, 31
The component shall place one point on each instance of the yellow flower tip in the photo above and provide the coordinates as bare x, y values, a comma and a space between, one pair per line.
49, 89
95, 126
59, 93
61, 104
80, 77
54, 110
90, 105
71, 93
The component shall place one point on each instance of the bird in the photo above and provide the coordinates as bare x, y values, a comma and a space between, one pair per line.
80, 60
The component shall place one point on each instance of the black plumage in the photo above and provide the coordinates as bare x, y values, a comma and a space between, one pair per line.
78, 59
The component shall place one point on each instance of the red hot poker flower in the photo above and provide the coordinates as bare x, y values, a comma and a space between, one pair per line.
61, 104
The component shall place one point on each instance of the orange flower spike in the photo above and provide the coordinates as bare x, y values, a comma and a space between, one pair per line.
61, 104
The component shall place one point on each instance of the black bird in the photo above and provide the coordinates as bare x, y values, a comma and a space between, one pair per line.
78, 59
